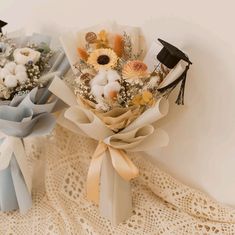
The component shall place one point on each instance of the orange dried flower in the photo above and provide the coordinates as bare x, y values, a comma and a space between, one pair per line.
135, 69
82, 54
118, 45
113, 95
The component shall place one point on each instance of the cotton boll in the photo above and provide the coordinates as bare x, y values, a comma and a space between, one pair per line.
3, 73
21, 77
111, 90
113, 75
10, 67
100, 79
20, 69
97, 91
24, 55
10, 81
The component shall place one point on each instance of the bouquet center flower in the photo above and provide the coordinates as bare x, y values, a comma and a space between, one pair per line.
103, 59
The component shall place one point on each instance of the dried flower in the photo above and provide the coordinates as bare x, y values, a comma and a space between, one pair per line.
4, 92
145, 98
91, 37
24, 55
21, 68
113, 78
111, 90
12, 74
102, 40
135, 70
105, 84
118, 45
33, 71
103, 59
82, 54
127, 50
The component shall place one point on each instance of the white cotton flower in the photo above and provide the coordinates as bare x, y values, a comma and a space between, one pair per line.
111, 90
106, 84
100, 79
12, 74
10, 66
97, 91
24, 55
113, 75
20, 69
3, 73
21, 77
10, 81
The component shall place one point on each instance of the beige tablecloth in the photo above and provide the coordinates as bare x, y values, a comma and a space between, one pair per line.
162, 205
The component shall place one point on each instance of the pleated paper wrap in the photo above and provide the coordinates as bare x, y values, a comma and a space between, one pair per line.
110, 166
23, 117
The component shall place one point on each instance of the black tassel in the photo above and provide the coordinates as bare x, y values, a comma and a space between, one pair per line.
182, 79
180, 98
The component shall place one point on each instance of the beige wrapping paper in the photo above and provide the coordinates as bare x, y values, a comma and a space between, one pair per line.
141, 135
115, 194
138, 134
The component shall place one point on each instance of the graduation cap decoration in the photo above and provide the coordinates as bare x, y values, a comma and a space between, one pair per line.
170, 56
2, 24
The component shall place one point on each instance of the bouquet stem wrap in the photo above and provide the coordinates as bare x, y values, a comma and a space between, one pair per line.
110, 166
120, 162
15, 180
22, 118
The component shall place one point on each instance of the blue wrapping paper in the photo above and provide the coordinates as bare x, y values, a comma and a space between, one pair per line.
27, 119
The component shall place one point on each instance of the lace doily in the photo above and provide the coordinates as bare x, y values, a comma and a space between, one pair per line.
162, 205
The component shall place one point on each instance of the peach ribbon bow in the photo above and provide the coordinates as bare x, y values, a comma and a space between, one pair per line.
120, 161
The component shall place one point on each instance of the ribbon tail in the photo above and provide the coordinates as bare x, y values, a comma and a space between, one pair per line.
8, 200
5, 152
122, 164
14, 172
23, 193
20, 155
93, 177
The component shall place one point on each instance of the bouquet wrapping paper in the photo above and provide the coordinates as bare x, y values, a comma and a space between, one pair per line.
119, 131
25, 115
26, 119
114, 193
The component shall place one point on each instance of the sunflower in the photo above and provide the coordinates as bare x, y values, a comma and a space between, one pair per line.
104, 58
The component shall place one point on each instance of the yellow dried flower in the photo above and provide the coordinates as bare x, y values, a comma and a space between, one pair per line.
102, 39
102, 36
145, 98
103, 58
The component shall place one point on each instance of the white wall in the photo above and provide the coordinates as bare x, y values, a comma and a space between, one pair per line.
202, 148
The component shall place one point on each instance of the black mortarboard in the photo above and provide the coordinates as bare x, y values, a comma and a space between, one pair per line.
171, 55
2, 24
